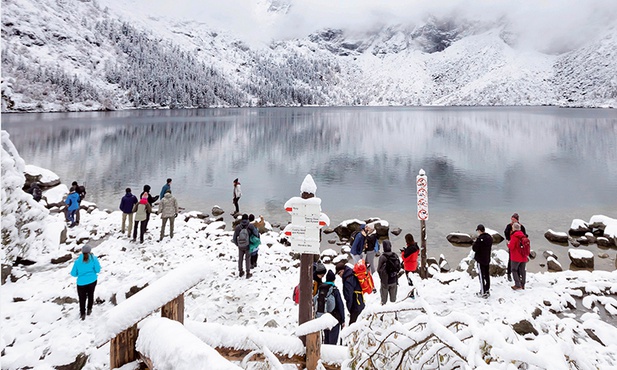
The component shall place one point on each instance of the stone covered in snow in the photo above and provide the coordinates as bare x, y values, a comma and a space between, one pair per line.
556, 237
581, 258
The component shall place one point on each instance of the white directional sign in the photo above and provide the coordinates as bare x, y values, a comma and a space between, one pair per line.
306, 220
422, 192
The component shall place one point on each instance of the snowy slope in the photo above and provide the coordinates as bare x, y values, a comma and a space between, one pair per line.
114, 54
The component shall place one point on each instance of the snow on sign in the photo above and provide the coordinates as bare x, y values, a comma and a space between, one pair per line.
422, 192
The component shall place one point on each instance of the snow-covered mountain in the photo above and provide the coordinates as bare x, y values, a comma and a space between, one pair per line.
60, 55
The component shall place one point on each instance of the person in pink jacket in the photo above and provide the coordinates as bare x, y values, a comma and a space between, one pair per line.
518, 257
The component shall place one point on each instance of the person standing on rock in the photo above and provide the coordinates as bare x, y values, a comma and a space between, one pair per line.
127, 203
142, 210
72, 202
164, 189
359, 244
519, 259
507, 233
85, 269
352, 291
242, 239
168, 209
410, 260
482, 248
236, 196
388, 268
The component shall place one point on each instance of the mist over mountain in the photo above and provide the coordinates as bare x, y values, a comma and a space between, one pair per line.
74, 55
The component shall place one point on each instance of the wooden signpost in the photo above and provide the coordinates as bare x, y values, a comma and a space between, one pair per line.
422, 193
303, 233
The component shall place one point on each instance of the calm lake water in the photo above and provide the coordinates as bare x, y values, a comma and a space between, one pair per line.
551, 165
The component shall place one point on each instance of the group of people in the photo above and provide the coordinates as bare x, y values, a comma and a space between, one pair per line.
73, 203
247, 238
137, 211
326, 296
518, 255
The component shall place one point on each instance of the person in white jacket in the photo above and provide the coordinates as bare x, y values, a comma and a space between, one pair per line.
168, 209
237, 195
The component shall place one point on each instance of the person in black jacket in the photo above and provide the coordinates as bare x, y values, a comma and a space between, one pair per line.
331, 336
151, 200
482, 248
507, 232
352, 291
389, 279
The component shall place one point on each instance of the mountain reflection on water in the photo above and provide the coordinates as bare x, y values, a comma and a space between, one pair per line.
549, 164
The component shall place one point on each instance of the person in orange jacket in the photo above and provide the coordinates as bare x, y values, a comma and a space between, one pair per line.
410, 259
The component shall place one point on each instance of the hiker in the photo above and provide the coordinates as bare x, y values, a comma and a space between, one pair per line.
358, 245
85, 269
370, 247
410, 260
388, 268
168, 208
35, 190
241, 238
507, 233
126, 206
142, 210
164, 189
328, 300
237, 194
482, 248
72, 202
255, 241
519, 259
352, 291
151, 201
81, 191
319, 271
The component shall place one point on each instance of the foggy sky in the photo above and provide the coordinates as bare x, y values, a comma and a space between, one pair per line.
539, 24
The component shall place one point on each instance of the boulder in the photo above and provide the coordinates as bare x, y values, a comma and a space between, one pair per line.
548, 254
62, 259
78, 364
396, 231
134, 290
603, 255
553, 264
604, 242
524, 327
581, 258
46, 178
556, 237
331, 241
345, 229
497, 238
328, 230
459, 239
6, 272
217, 211
532, 255
443, 264
583, 240
382, 227
579, 228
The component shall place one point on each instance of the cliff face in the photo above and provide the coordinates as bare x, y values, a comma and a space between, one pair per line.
74, 55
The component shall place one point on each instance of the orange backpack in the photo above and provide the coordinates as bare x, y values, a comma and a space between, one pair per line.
364, 277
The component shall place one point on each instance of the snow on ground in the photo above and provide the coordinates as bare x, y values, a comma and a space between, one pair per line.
41, 327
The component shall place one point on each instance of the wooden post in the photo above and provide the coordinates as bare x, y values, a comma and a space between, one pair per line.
174, 309
122, 348
305, 307
423, 267
313, 350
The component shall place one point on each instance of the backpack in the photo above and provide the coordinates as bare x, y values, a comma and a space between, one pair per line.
324, 301
364, 277
243, 239
296, 294
353, 237
526, 246
393, 264
81, 191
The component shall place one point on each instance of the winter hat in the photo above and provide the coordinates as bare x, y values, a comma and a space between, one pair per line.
515, 216
516, 226
330, 276
387, 246
362, 226
340, 266
86, 249
320, 268
143, 200
236, 180
245, 217
480, 228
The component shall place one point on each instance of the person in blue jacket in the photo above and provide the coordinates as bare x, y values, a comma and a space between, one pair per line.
359, 241
164, 189
352, 291
85, 269
72, 202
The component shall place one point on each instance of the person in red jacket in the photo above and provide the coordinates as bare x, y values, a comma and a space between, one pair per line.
519, 259
410, 260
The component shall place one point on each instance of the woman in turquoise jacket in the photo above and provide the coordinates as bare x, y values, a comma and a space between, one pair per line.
85, 269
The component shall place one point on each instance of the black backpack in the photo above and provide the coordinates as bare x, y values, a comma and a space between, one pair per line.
393, 264
324, 301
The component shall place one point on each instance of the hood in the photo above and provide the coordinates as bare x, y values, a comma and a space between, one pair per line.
167, 195
128, 195
387, 246
244, 223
